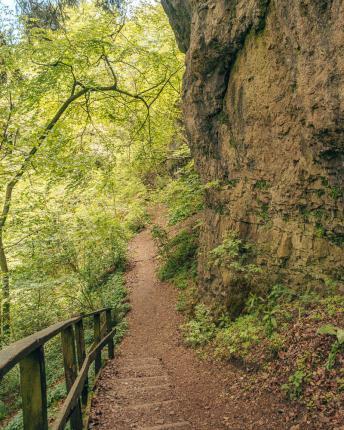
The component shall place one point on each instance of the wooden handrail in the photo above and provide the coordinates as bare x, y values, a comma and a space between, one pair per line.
29, 353
11, 355
76, 390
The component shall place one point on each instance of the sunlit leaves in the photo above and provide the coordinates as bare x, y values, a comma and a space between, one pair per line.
84, 192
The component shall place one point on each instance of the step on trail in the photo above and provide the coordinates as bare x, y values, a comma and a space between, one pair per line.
141, 396
156, 383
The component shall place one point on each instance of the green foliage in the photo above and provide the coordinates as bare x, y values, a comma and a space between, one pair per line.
187, 297
333, 304
161, 237
3, 410
200, 329
262, 184
16, 423
232, 182
235, 260
179, 261
337, 345
180, 255
56, 394
293, 389
9, 393
213, 185
332, 331
270, 309
264, 212
84, 192
336, 192
234, 254
239, 337
112, 294
183, 195
181, 280
137, 220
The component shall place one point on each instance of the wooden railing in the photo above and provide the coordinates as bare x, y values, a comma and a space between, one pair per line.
29, 353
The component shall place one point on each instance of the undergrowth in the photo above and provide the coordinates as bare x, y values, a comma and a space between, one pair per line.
285, 334
111, 294
179, 263
184, 195
178, 254
233, 260
288, 340
292, 337
201, 329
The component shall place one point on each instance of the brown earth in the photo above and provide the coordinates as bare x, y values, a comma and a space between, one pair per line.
155, 382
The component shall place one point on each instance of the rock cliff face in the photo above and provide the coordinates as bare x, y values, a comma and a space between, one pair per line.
264, 111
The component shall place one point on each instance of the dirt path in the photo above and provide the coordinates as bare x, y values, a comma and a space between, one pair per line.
157, 383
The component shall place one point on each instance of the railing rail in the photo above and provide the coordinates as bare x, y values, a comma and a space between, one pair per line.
29, 353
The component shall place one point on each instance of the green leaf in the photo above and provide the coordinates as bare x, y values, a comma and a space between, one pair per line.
274, 322
328, 329
340, 336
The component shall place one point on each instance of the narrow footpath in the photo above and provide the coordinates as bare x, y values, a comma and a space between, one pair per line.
156, 383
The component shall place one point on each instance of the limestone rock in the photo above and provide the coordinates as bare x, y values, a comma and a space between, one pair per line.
264, 112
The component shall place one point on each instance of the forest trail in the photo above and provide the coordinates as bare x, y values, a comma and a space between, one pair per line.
156, 383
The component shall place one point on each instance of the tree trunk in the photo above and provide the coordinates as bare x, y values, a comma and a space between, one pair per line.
6, 304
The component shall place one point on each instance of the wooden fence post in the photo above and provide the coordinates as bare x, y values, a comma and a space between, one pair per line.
34, 390
81, 354
109, 328
97, 338
71, 371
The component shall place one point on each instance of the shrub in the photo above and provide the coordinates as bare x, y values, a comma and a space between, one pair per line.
137, 219
184, 195
233, 259
236, 340
234, 254
188, 299
200, 329
180, 255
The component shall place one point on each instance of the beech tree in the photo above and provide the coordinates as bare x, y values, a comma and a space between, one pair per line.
95, 76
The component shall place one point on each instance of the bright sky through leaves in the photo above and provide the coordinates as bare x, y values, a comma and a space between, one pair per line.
11, 3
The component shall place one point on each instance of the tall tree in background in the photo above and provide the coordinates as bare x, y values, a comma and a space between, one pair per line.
60, 80
51, 13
